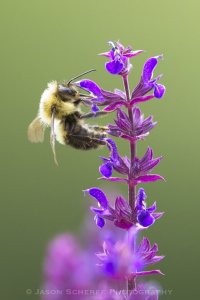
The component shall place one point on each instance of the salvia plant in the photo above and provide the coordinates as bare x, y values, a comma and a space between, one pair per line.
124, 257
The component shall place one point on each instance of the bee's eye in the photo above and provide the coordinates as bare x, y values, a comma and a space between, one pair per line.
66, 94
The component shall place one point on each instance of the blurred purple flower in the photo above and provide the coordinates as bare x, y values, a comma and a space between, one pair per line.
119, 261
63, 267
124, 128
148, 84
146, 256
119, 59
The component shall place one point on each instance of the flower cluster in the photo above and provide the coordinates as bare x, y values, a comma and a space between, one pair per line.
69, 271
121, 214
115, 100
120, 259
123, 127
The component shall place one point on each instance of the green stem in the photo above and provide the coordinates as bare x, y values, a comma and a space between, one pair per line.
131, 284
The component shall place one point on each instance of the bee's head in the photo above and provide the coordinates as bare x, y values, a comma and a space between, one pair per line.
69, 94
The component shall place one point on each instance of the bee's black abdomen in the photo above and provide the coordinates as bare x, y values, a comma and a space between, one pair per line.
82, 136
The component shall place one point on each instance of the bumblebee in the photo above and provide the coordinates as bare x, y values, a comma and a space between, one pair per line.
59, 109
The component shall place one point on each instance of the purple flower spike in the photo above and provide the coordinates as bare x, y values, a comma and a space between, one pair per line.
148, 84
145, 216
122, 259
119, 59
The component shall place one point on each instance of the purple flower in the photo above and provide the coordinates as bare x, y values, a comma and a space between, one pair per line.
101, 97
62, 265
122, 165
115, 162
146, 254
148, 84
122, 215
119, 59
146, 216
144, 165
124, 128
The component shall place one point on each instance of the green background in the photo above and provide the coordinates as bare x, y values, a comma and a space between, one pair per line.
45, 40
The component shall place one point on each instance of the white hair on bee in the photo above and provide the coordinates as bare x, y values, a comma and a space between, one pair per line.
49, 95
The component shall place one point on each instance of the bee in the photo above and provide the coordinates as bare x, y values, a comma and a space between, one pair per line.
59, 109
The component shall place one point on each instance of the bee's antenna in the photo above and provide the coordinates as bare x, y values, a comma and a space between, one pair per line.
92, 70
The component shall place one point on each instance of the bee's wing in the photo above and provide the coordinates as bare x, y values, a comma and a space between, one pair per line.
36, 131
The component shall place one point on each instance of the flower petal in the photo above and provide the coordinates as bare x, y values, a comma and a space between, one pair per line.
144, 245
133, 53
114, 66
122, 205
106, 54
114, 106
120, 93
157, 215
152, 208
99, 221
99, 196
148, 68
106, 169
141, 196
159, 90
144, 273
142, 99
90, 86
115, 179
148, 178
145, 219
97, 210
113, 149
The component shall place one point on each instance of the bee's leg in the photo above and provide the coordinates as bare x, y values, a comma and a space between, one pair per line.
93, 115
98, 128
85, 142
